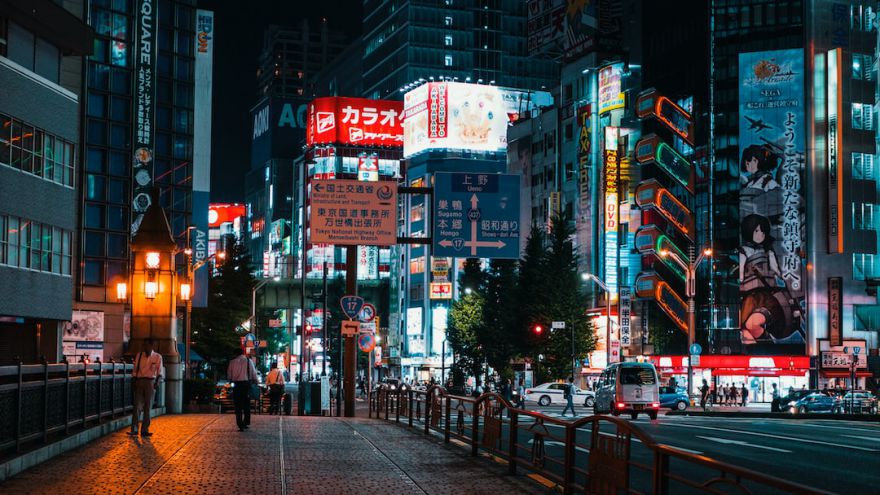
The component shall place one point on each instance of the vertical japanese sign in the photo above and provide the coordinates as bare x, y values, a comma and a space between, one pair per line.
204, 67
611, 213
835, 306
835, 149
144, 109
772, 211
583, 154
437, 111
625, 307
610, 95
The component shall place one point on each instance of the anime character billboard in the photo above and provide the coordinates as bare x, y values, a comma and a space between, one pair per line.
772, 211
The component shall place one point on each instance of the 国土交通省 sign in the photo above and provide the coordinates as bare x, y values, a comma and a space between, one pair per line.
350, 212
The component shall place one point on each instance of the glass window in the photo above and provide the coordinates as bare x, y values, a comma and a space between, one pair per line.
120, 109
65, 254
47, 60
20, 46
99, 76
115, 272
96, 187
93, 243
93, 272
447, 40
95, 159
119, 53
2, 239
24, 244
5, 135
121, 81
116, 245
116, 192
120, 136
447, 21
447, 60
97, 105
163, 144
641, 375
163, 65
36, 246
97, 132
117, 218
12, 229
56, 250
94, 216
99, 50
184, 69
118, 164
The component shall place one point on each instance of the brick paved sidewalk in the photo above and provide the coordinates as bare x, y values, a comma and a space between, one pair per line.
206, 454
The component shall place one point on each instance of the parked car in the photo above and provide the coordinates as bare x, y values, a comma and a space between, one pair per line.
785, 402
815, 402
628, 387
673, 398
554, 393
857, 401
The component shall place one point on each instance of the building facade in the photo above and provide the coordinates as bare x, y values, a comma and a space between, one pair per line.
41, 50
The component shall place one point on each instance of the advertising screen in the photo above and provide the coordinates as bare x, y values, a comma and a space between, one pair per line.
462, 116
610, 95
355, 121
772, 142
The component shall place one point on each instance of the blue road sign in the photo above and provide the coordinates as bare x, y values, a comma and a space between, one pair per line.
696, 349
476, 215
351, 305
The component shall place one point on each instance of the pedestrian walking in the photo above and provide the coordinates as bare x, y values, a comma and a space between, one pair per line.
569, 396
774, 403
733, 394
743, 395
146, 374
242, 374
704, 394
521, 394
275, 380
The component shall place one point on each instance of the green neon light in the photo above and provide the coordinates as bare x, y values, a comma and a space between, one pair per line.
664, 242
674, 164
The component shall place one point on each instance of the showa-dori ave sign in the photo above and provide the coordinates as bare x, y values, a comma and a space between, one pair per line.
476, 215
353, 213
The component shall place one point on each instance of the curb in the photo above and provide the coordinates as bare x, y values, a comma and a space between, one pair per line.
778, 415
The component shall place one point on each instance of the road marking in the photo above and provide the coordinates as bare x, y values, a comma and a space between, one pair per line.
781, 437
744, 444
281, 455
812, 425
554, 443
872, 439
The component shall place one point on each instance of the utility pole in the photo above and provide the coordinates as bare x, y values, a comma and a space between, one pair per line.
350, 354
325, 323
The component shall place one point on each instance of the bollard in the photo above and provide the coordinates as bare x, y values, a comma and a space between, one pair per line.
511, 442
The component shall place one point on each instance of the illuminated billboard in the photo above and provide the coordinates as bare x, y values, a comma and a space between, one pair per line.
220, 213
772, 142
612, 207
462, 116
355, 121
611, 96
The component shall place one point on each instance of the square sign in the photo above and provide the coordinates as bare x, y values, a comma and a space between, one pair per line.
476, 215
350, 212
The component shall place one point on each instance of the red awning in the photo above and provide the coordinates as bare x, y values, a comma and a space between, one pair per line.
844, 374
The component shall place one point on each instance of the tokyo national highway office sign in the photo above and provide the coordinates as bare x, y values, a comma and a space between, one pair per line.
354, 213
476, 215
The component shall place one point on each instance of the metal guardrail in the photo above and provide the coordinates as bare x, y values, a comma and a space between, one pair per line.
596, 454
41, 400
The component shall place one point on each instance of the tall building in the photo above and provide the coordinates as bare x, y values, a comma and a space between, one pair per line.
142, 103
480, 41
41, 47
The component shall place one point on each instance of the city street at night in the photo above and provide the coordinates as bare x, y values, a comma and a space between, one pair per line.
294, 247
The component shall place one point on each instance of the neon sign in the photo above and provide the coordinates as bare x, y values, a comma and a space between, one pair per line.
672, 304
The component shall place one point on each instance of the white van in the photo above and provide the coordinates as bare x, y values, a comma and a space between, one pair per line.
628, 388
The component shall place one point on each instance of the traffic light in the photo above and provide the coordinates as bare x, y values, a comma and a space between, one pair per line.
537, 330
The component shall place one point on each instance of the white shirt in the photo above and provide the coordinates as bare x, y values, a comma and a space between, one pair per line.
276, 377
241, 369
147, 366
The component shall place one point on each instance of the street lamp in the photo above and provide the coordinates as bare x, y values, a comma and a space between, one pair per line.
602, 285
690, 268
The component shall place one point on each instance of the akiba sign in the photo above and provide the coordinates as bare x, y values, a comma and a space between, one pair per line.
355, 121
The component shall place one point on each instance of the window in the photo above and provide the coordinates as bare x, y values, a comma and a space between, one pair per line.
26, 244
863, 166
862, 116
417, 213
863, 67
863, 216
447, 60
447, 40
35, 152
32, 53
447, 21
417, 265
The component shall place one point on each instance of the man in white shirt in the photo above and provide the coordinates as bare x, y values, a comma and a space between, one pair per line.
146, 375
275, 380
242, 373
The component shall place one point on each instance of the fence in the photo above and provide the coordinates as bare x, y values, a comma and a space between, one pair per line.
41, 400
596, 454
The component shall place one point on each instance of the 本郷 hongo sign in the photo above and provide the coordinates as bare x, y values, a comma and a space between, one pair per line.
350, 212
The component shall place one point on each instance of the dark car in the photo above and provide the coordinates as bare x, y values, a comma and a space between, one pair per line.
812, 403
783, 404
673, 398
857, 402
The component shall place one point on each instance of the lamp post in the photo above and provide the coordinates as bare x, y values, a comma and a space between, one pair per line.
443, 365
602, 285
690, 268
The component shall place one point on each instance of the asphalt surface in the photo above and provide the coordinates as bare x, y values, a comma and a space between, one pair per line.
833, 455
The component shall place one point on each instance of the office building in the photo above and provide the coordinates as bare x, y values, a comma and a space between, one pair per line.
41, 48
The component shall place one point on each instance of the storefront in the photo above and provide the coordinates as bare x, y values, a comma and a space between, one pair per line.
757, 373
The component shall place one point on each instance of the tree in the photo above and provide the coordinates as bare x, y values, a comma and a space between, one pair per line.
465, 323
229, 294
555, 294
472, 276
498, 335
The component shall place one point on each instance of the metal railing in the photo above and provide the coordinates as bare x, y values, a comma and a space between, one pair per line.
595, 454
38, 401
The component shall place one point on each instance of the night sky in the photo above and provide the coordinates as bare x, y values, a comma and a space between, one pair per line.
238, 28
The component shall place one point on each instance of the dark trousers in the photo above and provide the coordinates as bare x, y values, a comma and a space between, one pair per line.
242, 400
275, 393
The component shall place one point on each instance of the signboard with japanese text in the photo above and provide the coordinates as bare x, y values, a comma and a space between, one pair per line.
350, 212
476, 215
772, 144
144, 110
356, 121
611, 96
368, 168
611, 208
835, 309
842, 360
625, 307
585, 147
441, 290
546, 25
84, 326
463, 116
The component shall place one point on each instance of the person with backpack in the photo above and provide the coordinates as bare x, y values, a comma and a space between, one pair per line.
568, 395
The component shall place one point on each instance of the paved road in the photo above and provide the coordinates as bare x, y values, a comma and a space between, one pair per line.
206, 454
838, 456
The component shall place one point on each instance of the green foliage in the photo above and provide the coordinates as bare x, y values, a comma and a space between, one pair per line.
229, 295
465, 324
498, 336
665, 336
